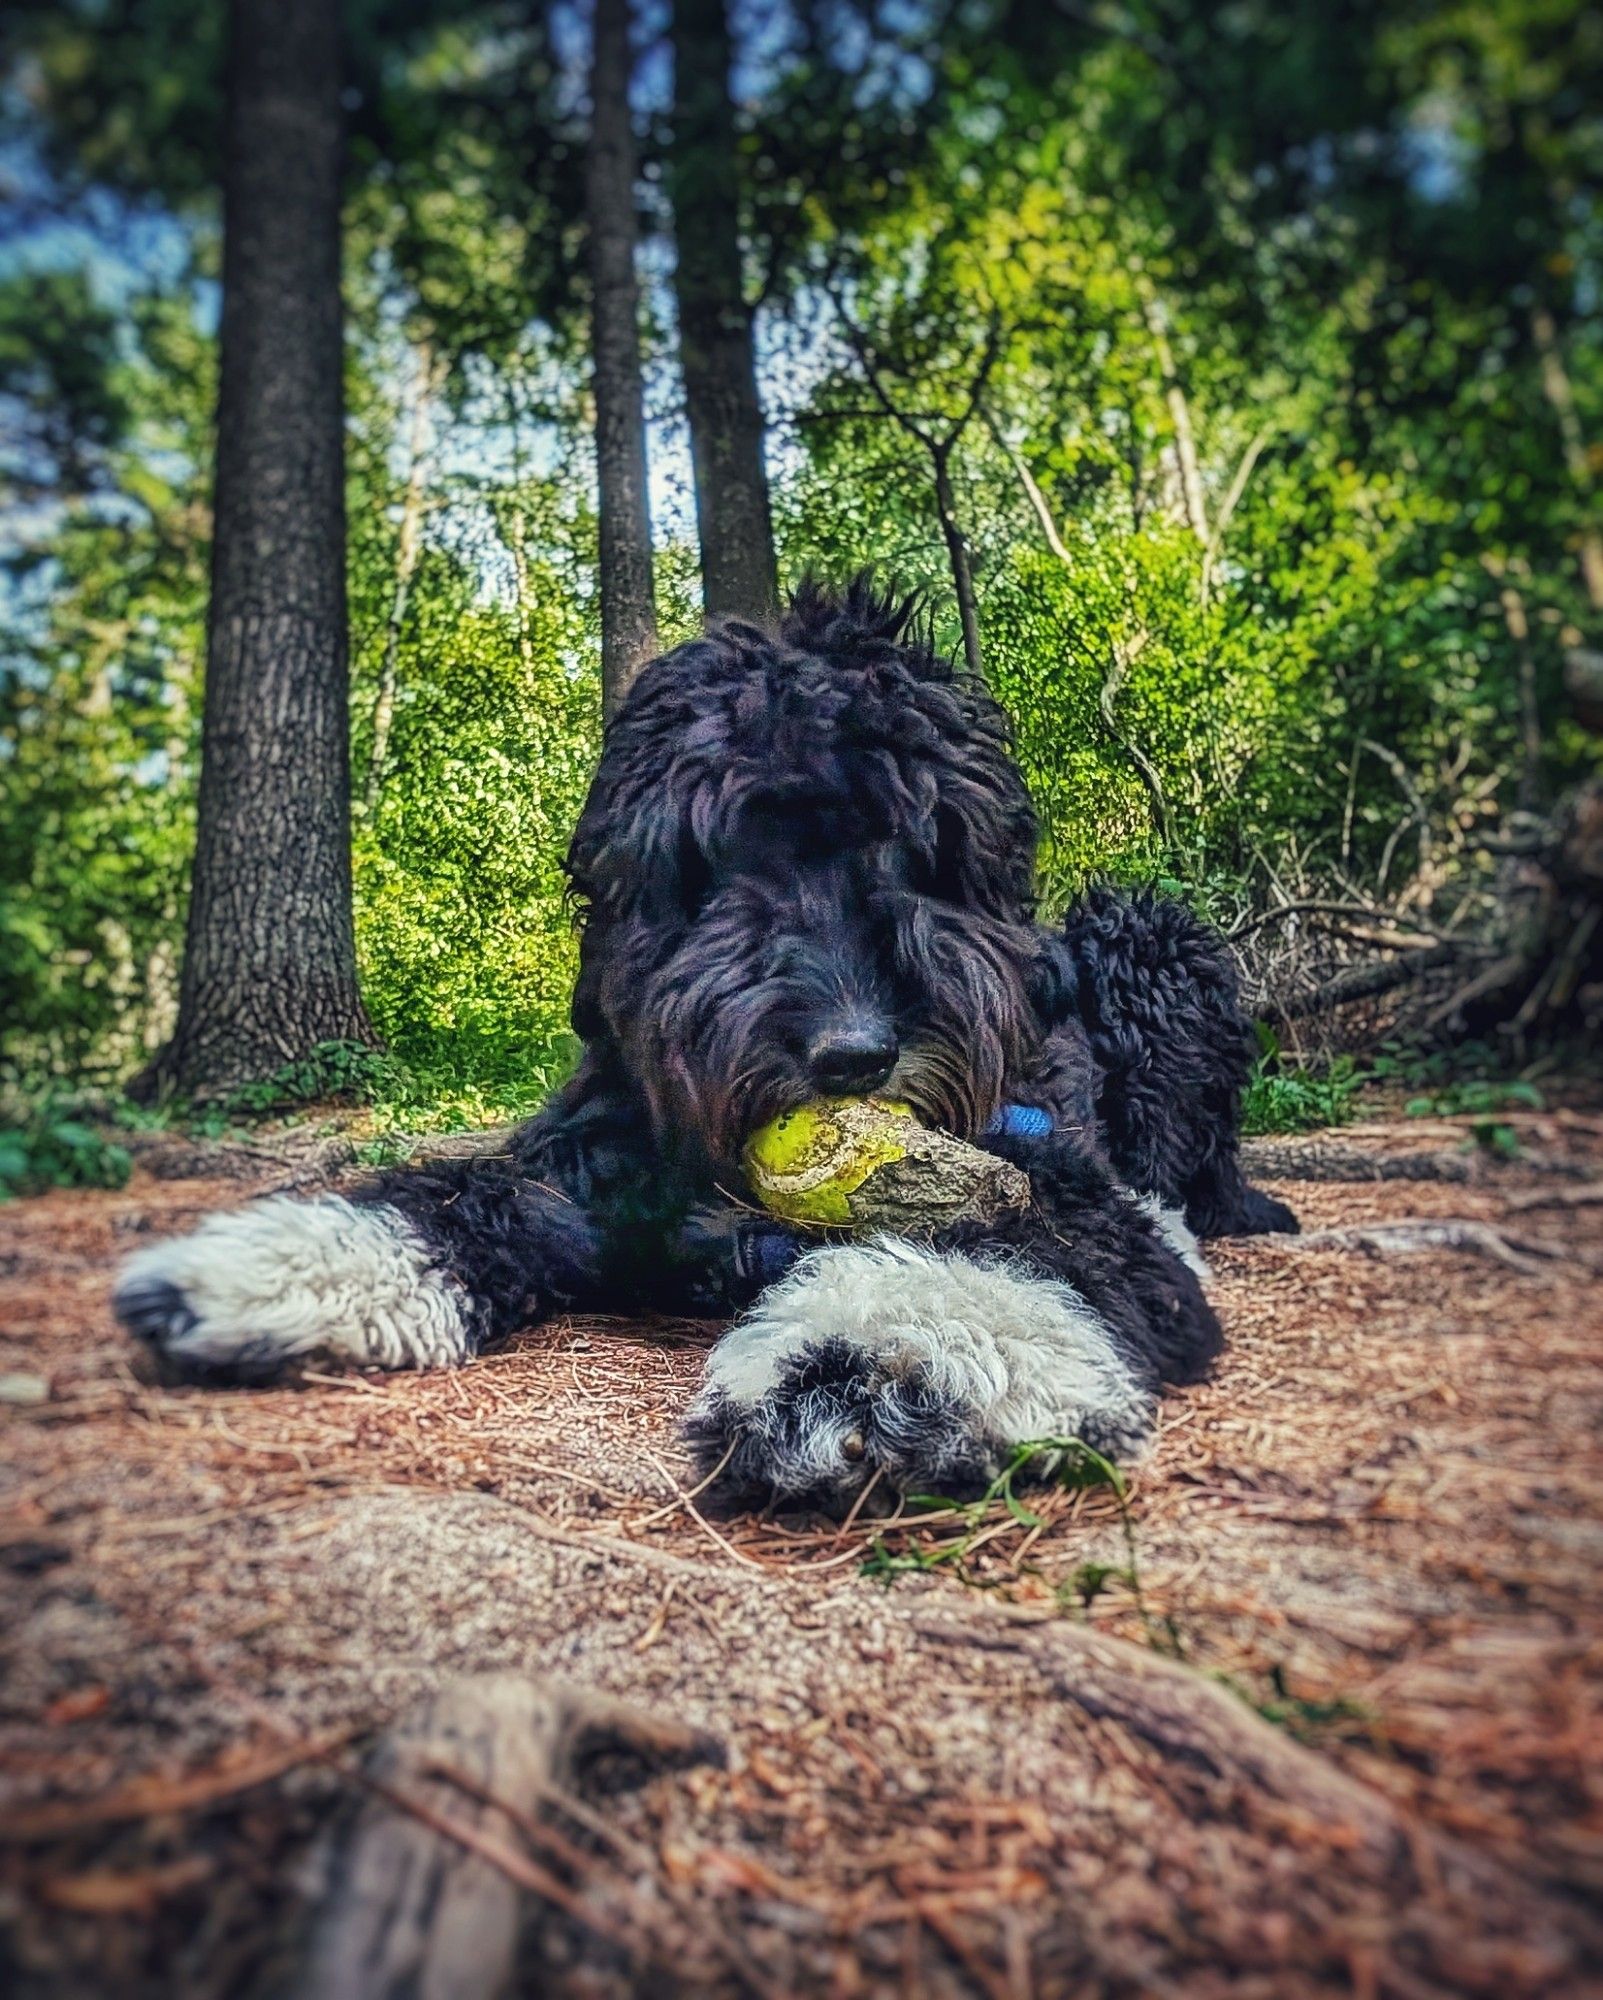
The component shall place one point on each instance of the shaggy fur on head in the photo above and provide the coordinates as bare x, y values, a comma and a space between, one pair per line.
806, 868
788, 838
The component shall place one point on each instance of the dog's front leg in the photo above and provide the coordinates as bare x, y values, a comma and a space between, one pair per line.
724, 1258
920, 1364
420, 1268
925, 1364
417, 1272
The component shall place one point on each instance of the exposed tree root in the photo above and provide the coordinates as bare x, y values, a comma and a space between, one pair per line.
1194, 1722
1424, 1233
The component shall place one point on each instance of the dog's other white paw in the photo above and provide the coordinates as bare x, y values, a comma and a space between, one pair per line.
925, 1366
285, 1280
1172, 1226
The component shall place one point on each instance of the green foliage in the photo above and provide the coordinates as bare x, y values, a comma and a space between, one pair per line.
1477, 1096
457, 1085
49, 1144
1065, 1463
330, 1073
1310, 1720
1280, 1100
1345, 264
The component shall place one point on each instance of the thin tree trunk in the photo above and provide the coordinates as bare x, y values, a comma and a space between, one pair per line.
1529, 792
270, 954
1185, 438
424, 386
1560, 394
628, 599
1123, 653
733, 516
957, 553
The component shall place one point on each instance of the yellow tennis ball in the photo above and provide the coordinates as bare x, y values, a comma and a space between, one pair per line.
807, 1164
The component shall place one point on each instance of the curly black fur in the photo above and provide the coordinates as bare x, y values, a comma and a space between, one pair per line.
806, 864
821, 834
1158, 997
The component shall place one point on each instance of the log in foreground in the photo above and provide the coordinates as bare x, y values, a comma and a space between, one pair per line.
423, 1890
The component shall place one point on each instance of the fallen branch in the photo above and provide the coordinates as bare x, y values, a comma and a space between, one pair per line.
1196, 1724
1584, 1196
1415, 935
1332, 1160
1369, 981
1424, 1233
146, 1798
419, 1890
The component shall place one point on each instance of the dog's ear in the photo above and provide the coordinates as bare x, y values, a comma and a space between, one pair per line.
635, 850
985, 833
642, 842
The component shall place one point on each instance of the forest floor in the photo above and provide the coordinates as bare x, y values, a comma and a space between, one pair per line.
1324, 1715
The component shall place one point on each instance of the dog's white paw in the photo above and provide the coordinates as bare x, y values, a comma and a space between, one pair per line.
924, 1366
1172, 1226
285, 1280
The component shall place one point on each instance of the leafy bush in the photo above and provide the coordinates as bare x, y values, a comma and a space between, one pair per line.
1300, 1100
438, 1083
1476, 1097
47, 1145
454, 1081
330, 1073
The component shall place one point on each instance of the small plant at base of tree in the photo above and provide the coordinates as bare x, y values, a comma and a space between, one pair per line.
1278, 1100
49, 1144
332, 1072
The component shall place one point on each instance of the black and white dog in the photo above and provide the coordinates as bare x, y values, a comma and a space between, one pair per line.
806, 868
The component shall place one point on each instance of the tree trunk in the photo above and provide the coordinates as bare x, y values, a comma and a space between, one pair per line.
1560, 394
958, 556
1193, 499
738, 570
270, 954
628, 600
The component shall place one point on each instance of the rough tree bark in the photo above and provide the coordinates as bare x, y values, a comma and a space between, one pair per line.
628, 602
738, 569
270, 954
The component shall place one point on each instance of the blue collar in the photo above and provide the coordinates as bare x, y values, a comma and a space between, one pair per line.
1020, 1121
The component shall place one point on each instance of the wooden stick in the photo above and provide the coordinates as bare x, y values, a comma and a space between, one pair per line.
148, 1797
420, 1893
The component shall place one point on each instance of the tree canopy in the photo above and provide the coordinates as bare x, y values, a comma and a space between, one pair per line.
1229, 383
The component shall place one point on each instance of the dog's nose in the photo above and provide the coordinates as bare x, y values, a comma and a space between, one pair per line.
852, 1060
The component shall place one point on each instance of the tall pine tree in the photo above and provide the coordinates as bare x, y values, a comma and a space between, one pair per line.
628, 608
270, 956
733, 516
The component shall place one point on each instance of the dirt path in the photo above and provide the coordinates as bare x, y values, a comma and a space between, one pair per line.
1340, 1732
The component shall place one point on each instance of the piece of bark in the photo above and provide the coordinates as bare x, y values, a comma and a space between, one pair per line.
423, 1890
940, 1181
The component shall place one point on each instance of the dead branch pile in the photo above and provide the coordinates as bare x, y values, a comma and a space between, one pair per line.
1515, 949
